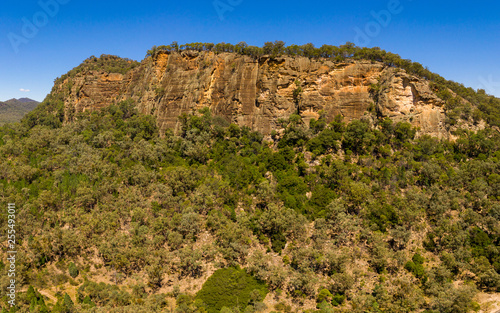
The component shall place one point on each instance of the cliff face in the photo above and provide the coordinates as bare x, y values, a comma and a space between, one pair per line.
257, 93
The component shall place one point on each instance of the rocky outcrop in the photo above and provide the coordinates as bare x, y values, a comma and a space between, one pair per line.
407, 98
96, 90
258, 92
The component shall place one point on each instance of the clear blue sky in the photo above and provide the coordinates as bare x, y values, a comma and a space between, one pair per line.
458, 40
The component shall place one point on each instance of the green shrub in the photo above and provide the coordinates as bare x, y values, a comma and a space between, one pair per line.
278, 241
230, 287
416, 266
338, 299
73, 270
358, 137
321, 197
326, 140
418, 259
383, 215
324, 295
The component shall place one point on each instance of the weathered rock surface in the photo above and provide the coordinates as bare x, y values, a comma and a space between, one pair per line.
258, 92
407, 98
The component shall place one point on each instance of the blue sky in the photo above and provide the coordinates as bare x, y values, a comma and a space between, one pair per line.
457, 40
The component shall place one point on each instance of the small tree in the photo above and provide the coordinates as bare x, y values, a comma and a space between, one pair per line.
73, 270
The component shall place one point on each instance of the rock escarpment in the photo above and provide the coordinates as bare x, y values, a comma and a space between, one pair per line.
407, 98
258, 92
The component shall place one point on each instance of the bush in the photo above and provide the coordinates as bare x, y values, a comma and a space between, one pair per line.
404, 132
338, 299
73, 270
320, 199
358, 137
326, 140
230, 287
324, 295
416, 266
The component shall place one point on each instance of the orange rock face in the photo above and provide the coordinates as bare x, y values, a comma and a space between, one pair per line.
258, 92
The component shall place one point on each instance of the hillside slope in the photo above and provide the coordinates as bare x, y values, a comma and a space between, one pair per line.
118, 213
344, 216
13, 110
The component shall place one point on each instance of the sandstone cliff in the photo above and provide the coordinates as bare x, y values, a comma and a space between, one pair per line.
258, 92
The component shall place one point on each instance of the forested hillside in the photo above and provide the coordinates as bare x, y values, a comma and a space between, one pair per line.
114, 215
347, 218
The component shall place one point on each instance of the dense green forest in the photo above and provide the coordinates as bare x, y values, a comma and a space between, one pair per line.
356, 217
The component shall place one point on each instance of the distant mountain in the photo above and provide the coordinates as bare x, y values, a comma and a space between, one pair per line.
23, 100
13, 110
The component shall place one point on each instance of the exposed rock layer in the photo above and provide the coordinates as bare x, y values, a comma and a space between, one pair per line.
257, 93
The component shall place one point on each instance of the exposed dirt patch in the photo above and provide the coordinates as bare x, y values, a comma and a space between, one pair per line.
490, 302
